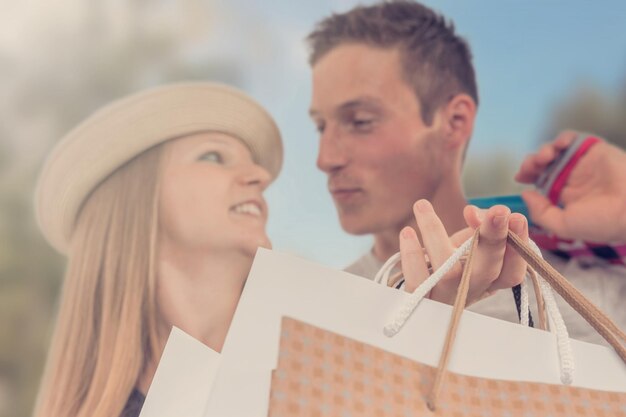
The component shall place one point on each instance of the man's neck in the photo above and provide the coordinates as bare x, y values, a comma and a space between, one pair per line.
449, 208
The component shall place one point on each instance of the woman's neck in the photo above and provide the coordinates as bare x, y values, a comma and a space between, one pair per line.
197, 292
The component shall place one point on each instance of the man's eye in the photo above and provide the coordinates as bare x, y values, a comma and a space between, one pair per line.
212, 156
362, 124
320, 128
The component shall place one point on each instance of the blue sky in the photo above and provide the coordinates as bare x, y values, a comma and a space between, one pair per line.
529, 55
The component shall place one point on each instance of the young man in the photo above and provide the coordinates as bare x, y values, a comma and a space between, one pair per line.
394, 100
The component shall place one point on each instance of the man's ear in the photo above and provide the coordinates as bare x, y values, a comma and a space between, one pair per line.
458, 120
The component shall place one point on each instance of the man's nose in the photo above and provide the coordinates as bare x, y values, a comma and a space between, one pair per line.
332, 154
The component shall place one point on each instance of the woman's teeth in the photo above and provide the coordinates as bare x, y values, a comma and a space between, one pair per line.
247, 208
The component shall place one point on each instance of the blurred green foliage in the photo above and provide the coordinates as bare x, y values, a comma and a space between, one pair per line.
490, 175
30, 274
589, 109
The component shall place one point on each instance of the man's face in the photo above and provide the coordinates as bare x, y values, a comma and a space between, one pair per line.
379, 154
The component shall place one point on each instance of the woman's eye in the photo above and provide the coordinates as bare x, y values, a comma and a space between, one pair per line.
212, 156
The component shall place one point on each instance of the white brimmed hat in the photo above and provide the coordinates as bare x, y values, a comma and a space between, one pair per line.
125, 128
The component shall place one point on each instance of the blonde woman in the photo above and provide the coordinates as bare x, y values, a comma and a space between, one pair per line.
157, 201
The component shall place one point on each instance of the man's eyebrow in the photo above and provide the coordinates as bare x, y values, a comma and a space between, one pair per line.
365, 101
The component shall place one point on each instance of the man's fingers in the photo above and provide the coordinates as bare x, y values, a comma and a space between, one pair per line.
545, 214
473, 216
513, 266
461, 236
565, 139
489, 254
439, 248
494, 266
414, 266
533, 165
433, 232
546, 154
530, 169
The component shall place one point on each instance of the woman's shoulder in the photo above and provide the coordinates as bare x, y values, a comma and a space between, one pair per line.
133, 404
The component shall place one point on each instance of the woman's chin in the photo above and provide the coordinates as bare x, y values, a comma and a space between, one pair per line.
266, 244
252, 246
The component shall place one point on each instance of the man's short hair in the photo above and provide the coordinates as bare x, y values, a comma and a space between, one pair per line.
435, 61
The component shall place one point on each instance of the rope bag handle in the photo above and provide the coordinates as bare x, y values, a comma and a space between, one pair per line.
545, 279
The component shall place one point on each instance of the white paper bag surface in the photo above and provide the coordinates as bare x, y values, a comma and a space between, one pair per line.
283, 285
183, 379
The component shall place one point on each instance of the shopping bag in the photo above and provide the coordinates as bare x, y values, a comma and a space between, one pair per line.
281, 285
183, 379
323, 373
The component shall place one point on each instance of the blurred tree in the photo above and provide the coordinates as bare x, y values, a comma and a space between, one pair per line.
29, 279
490, 175
589, 109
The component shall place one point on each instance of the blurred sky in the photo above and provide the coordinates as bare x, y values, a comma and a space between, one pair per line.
529, 55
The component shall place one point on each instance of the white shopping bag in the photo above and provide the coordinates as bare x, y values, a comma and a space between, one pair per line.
183, 380
282, 285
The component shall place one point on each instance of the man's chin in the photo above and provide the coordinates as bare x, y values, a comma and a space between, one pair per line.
355, 227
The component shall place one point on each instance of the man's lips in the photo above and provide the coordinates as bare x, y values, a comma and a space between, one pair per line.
345, 194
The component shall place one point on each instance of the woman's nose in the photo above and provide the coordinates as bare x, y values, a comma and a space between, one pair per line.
255, 174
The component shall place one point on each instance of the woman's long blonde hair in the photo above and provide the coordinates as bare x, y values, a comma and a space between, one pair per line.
106, 328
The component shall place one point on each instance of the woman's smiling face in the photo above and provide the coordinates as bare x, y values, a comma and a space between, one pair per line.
211, 196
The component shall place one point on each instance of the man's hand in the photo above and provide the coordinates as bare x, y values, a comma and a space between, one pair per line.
593, 199
495, 266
